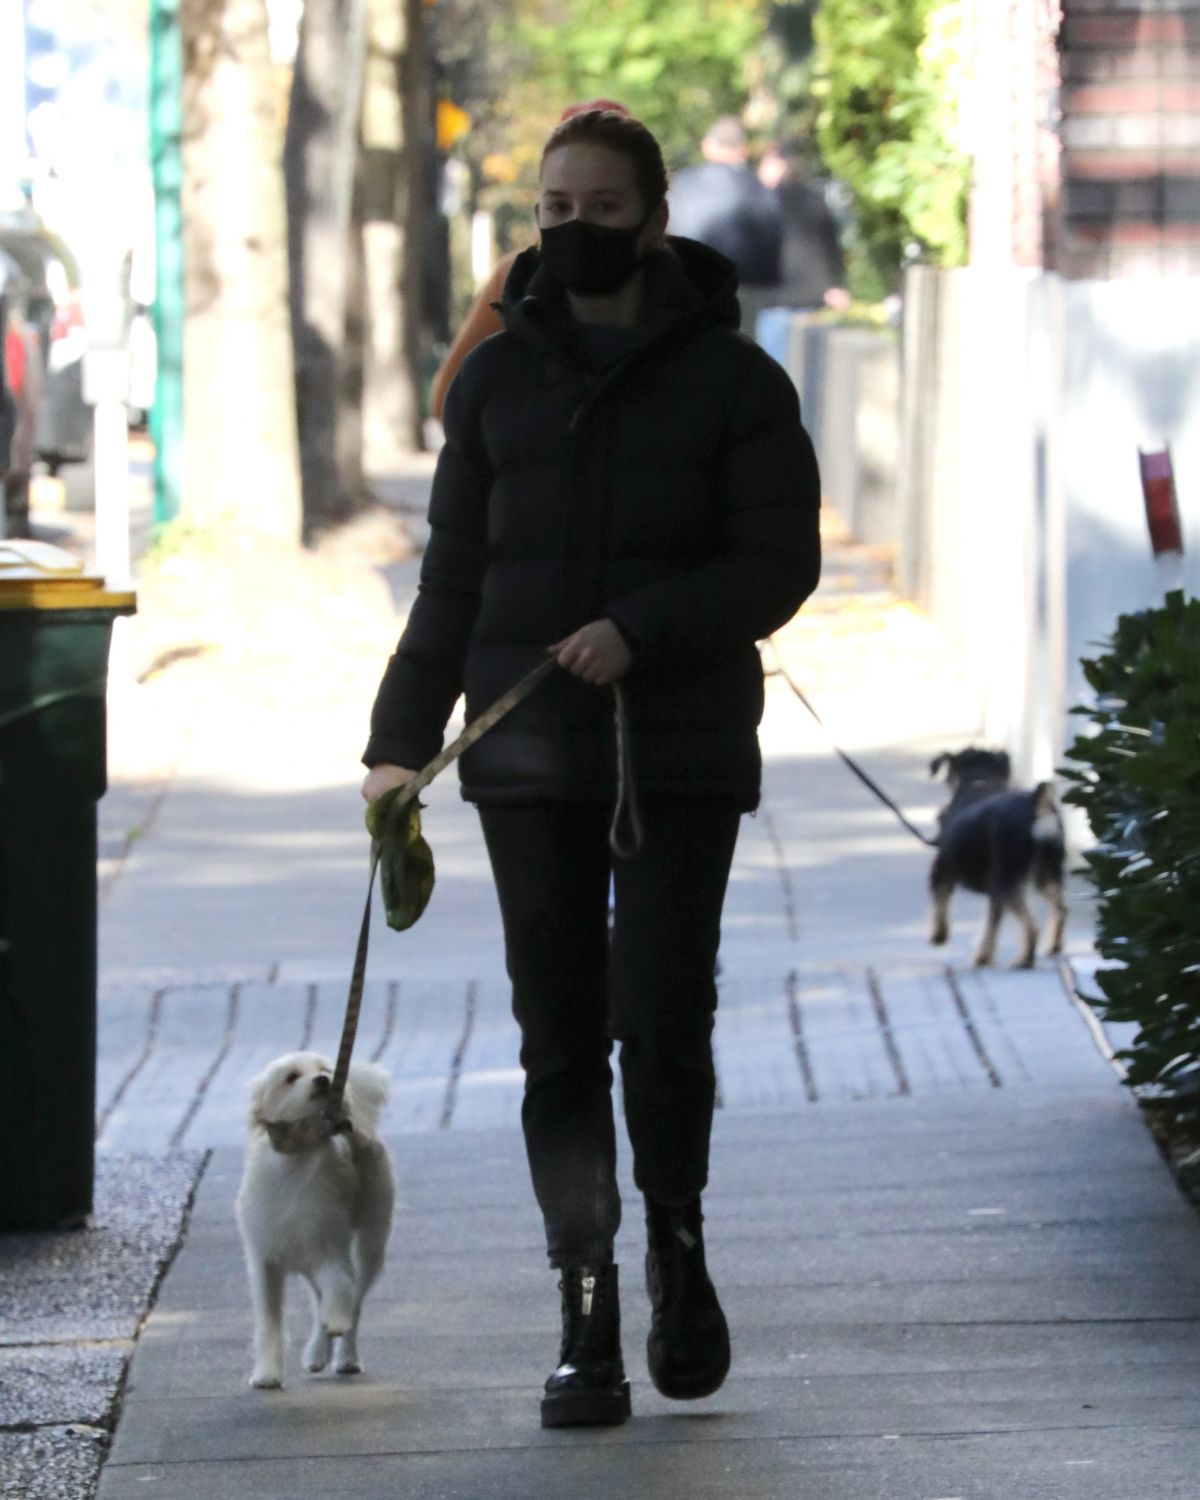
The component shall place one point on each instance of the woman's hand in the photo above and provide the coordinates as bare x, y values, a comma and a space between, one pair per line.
380, 779
597, 653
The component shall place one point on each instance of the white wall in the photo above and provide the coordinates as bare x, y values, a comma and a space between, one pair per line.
1020, 522
1130, 377
1022, 530
971, 549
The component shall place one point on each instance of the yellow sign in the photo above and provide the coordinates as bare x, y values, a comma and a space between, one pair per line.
452, 123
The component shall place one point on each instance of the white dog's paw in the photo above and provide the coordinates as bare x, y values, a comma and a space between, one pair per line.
266, 1380
336, 1315
317, 1351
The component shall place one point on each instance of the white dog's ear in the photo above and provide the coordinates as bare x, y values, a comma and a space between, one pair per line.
256, 1091
367, 1091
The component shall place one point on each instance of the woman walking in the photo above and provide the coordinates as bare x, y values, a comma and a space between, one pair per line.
626, 483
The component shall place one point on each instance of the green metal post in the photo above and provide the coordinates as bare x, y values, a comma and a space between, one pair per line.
166, 160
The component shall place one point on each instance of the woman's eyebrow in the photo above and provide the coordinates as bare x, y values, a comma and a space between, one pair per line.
603, 192
591, 194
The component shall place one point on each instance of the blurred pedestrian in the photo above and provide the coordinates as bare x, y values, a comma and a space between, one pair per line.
482, 319
722, 203
20, 397
814, 267
626, 484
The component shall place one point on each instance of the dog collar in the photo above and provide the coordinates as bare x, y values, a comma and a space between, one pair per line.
290, 1137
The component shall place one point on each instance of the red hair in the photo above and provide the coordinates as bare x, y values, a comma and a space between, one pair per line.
609, 106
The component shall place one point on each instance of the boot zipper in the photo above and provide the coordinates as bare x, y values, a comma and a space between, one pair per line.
589, 1286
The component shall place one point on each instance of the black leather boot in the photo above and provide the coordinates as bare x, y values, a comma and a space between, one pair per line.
688, 1347
589, 1388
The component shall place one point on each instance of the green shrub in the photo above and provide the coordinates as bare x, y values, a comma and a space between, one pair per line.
1137, 776
889, 77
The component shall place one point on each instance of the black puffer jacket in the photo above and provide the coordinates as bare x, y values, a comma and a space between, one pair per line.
674, 491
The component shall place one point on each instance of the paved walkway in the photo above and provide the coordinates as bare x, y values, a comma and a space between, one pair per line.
174, 1059
988, 1293
953, 1261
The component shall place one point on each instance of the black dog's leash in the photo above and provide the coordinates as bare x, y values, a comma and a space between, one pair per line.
781, 671
627, 815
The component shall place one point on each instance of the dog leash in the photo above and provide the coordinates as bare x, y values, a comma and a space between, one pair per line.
627, 815
781, 671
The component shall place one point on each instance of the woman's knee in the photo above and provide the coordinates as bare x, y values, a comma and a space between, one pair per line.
579, 1068
681, 1045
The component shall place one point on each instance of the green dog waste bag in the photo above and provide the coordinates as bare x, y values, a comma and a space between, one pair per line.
405, 859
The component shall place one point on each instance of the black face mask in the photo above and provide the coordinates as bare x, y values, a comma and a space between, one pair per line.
591, 260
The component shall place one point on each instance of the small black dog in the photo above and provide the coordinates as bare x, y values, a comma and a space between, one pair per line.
996, 841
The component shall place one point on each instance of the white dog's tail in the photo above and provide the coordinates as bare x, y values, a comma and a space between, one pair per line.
367, 1091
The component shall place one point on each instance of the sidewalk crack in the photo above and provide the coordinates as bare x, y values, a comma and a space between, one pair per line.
964, 1011
890, 1045
785, 875
796, 1021
456, 1062
231, 1020
144, 1057
389, 1020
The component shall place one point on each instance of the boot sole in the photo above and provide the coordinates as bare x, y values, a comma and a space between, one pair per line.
693, 1387
707, 1383
587, 1408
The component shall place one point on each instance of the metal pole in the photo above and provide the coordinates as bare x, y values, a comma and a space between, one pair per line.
166, 160
113, 553
110, 426
106, 390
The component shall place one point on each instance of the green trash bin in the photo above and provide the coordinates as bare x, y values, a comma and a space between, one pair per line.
55, 627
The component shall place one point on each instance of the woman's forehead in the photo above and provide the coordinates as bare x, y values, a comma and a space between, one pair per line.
584, 167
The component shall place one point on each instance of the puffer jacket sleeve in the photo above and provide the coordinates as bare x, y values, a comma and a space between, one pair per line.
424, 676
769, 560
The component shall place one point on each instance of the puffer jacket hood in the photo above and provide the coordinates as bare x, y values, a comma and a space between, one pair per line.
688, 287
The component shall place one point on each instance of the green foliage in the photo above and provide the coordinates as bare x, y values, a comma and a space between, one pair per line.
1137, 776
782, 107
677, 64
888, 77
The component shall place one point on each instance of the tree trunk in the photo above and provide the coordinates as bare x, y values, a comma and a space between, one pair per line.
321, 153
240, 465
395, 115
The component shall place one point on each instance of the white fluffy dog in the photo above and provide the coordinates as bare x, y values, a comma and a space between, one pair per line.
313, 1205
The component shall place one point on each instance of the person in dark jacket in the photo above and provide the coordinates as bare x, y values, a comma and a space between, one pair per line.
722, 203
625, 483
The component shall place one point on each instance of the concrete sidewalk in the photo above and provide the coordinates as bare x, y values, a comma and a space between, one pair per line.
954, 1263
982, 1294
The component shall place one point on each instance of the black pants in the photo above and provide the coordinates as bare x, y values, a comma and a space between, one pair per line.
652, 989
